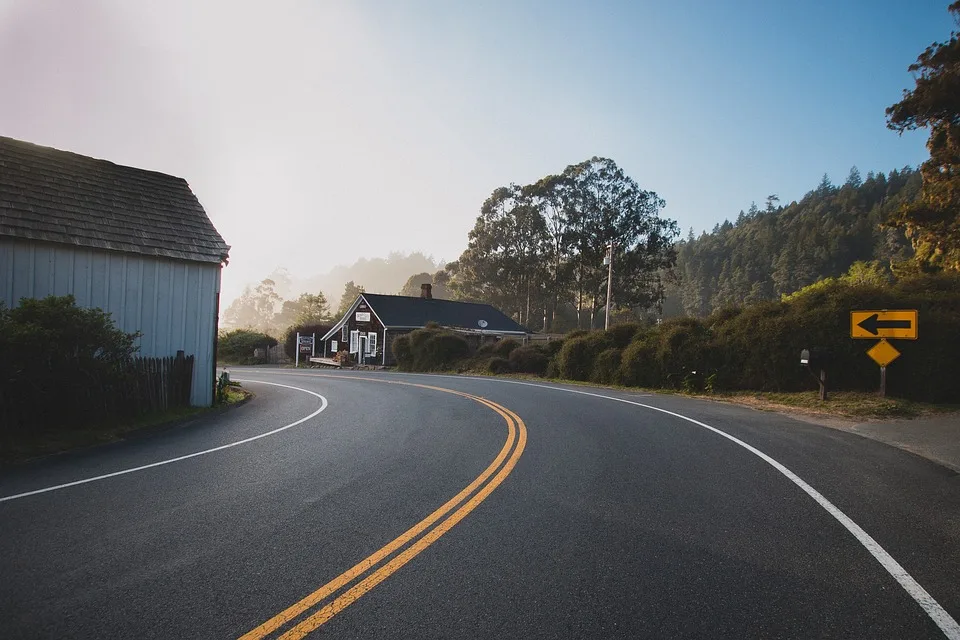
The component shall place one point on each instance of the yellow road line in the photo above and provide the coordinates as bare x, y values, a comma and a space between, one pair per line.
311, 623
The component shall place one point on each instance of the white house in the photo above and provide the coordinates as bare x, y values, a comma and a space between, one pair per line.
135, 243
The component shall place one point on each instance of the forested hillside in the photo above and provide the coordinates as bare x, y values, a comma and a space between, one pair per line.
778, 250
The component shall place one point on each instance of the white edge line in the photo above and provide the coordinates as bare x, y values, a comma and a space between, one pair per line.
939, 615
323, 405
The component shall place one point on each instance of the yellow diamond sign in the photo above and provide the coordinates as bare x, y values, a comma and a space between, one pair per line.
883, 353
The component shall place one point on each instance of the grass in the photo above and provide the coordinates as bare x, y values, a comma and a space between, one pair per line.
839, 404
28, 446
845, 404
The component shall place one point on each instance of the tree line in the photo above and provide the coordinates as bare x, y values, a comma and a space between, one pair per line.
770, 252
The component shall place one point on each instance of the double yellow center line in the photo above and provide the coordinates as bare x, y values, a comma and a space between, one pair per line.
435, 525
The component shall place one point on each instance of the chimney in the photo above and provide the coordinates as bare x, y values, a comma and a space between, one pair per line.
426, 291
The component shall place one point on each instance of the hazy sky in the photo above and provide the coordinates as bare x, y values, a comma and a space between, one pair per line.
316, 132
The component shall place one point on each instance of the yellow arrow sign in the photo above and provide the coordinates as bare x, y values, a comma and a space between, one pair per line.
883, 353
884, 324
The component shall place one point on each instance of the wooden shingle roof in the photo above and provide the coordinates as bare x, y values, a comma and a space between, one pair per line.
57, 196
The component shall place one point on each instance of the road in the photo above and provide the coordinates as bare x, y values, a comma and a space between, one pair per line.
383, 505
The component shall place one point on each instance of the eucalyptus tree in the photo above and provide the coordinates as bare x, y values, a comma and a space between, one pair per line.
552, 196
504, 260
606, 206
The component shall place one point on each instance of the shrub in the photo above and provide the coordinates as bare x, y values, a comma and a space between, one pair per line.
553, 347
505, 346
441, 351
498, 365
60, 364
403, 351
529, 359
238, 346
486, 349
576, 357
758, 348
606, 368
429, 349
638, 366
552, 371
622, 334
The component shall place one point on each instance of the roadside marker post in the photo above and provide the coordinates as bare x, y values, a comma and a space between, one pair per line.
818, 357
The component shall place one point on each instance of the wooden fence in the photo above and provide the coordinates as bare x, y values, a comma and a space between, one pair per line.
73, 394
155, 384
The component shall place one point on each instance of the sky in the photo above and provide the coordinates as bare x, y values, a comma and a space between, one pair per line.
317, 132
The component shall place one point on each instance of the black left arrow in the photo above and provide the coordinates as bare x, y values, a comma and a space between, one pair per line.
873, 324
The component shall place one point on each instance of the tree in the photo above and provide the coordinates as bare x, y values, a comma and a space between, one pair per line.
350, 293
553, 196
412, 286
254, 309
853, 178
933, 222
312, 308
608, 206
503, 262
867, 273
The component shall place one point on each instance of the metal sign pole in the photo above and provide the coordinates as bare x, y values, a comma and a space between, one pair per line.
313, 347
883, 382
297, 364
606, 317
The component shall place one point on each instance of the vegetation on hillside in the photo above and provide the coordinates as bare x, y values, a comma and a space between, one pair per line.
769, 252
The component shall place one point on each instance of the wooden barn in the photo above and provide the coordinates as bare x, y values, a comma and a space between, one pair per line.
132, 242
371, 324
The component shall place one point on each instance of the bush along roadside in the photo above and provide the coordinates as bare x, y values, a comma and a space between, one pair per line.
755, 348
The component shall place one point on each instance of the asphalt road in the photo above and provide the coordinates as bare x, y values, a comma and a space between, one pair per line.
573, 516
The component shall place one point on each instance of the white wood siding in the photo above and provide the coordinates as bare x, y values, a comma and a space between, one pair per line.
172, 303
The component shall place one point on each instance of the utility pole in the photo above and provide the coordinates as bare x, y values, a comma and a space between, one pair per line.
606, 317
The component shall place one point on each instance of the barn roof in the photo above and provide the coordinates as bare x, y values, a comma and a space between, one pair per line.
57, 196
404, 312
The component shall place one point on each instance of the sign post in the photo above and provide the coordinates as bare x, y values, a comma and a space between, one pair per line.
305, 344
900, 325
297, 361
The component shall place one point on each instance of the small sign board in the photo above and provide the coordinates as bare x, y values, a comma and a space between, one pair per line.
883, 353
363, 316
307, 340
900, 324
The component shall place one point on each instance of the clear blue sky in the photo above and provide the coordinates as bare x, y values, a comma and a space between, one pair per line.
396, 119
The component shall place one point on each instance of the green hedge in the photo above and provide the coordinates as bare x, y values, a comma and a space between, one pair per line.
238, 346
753, 348
529, 359
606, 367
576, 357
430, 349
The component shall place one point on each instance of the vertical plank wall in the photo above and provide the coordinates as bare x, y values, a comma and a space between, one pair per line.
171, 302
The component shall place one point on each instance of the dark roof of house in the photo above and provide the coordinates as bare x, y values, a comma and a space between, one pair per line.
57, 196
404, 311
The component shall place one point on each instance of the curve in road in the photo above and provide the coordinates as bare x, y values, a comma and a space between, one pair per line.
505, 461
947, 624
160, 463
